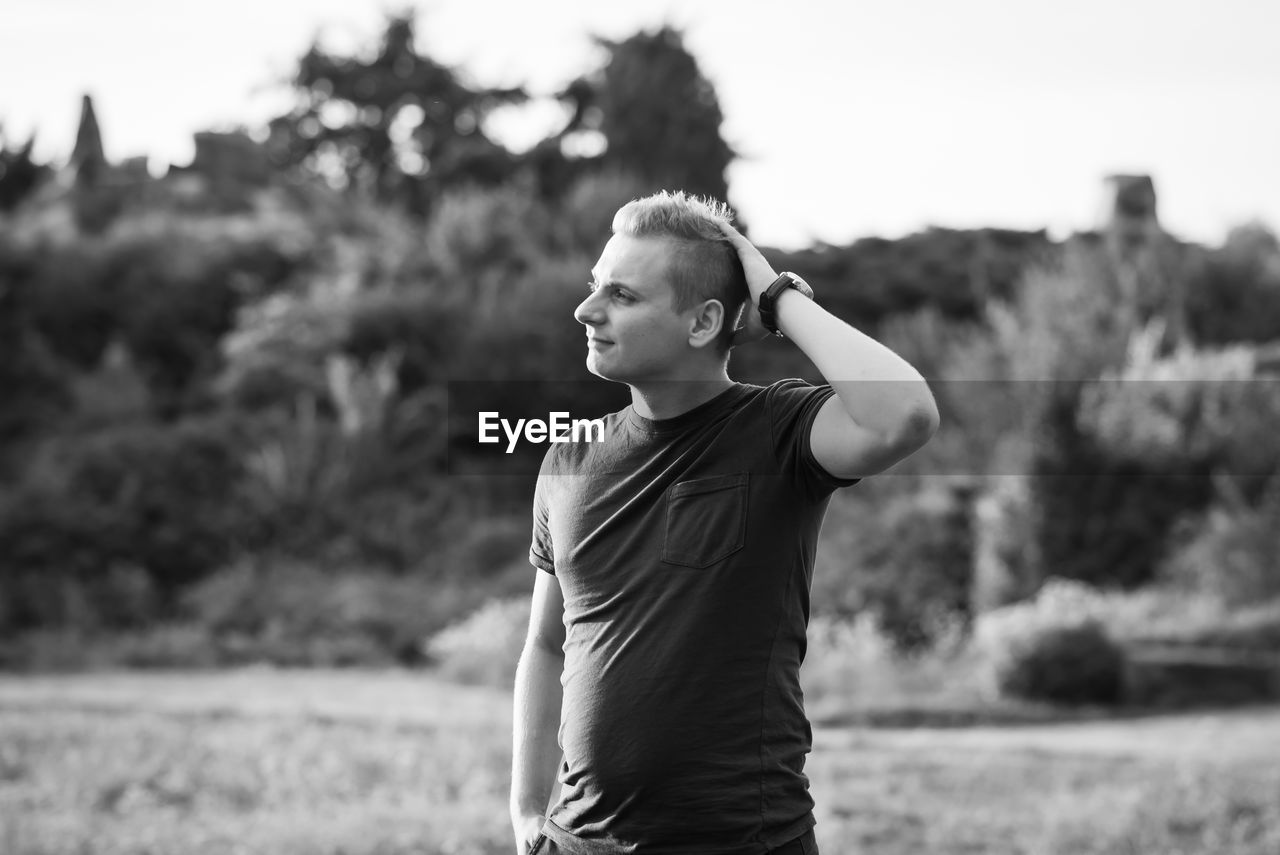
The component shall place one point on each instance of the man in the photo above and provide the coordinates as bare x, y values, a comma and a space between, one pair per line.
668, 619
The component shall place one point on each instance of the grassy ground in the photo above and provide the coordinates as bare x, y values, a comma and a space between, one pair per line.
393, 763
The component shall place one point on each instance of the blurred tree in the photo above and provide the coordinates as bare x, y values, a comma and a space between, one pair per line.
400, 124
88, 159
1235, 294
19, 173
653, 114
33, 384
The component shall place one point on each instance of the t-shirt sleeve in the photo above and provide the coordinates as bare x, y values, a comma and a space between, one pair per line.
541, 550
793, 406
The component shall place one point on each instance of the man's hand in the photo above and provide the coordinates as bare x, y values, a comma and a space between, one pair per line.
760, 275
527, 829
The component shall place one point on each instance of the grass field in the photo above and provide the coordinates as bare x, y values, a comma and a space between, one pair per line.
360, 763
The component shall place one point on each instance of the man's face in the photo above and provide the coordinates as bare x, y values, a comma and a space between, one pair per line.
633, 332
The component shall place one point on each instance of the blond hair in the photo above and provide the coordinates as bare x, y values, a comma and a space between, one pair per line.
703, 265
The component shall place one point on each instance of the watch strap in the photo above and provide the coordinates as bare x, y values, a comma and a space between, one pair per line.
767, 304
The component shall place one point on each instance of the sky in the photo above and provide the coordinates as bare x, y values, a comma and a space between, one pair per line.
852, 118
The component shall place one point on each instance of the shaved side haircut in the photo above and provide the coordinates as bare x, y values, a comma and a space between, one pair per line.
704, 265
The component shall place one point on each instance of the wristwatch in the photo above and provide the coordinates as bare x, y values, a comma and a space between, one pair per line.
767, 304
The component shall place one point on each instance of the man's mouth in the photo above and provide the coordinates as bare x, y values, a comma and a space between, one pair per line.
599, 341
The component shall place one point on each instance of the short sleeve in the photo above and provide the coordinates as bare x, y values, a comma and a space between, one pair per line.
793, 405
541, 550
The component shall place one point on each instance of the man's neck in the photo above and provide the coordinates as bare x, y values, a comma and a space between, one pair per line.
666, 399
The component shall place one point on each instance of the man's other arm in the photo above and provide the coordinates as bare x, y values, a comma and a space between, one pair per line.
535, 754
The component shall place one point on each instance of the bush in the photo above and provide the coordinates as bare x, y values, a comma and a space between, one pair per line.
904, 561
1057, 646
288, 612
1233, 551
154, 498
1094, 513
485, 646
1235, 296
1188, 412
1251, 629
1065, 665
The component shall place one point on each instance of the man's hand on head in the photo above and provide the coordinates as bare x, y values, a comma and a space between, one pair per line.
760, 275
752, 329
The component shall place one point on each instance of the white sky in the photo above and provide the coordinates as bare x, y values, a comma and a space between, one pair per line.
854, 118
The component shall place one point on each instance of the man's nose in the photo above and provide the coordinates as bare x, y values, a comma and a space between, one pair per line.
589, 310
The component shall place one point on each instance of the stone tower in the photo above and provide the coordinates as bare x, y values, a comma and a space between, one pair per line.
1148, 264
1132, 222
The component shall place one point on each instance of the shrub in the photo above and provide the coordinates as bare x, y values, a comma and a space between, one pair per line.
159, 498
1233, 551
903, 560
1235, 296
1189, 412
852, 666
1055, 647
1126, 615
1094, 513
1066, 665
485, 646
1251, 629
287, 612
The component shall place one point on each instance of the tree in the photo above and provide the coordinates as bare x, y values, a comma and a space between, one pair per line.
19, 173
659, 116
400, 124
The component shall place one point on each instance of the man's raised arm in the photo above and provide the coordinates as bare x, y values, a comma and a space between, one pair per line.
883, 410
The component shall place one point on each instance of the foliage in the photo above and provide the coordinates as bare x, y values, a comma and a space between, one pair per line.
166, 289
956, 273
854, 671
20, 174
1063, 644
1192, 410
902, 561
399, 124
1235, 296
1250, 627
285, 613
1232, 550
34, 384
1126, 616
486, 236
657, 114
1094, 513
358, 486
483, 647
1065, 665
583, 219
146, 499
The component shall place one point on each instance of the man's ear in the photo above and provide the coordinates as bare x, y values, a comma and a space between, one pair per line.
706, 323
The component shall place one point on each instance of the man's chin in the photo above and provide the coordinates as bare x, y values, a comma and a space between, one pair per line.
593, 365
596, 370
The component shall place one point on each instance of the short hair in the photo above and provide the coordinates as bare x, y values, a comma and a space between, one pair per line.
704, 264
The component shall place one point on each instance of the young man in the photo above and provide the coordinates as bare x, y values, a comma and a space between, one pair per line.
669, 616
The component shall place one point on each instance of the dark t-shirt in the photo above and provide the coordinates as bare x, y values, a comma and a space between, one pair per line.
684, 550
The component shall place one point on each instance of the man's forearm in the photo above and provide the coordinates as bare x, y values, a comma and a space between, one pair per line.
879, 390
535, 751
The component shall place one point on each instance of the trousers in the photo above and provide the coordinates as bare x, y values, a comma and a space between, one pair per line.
805, 844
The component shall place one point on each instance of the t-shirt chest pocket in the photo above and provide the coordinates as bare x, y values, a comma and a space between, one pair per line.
706, 520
